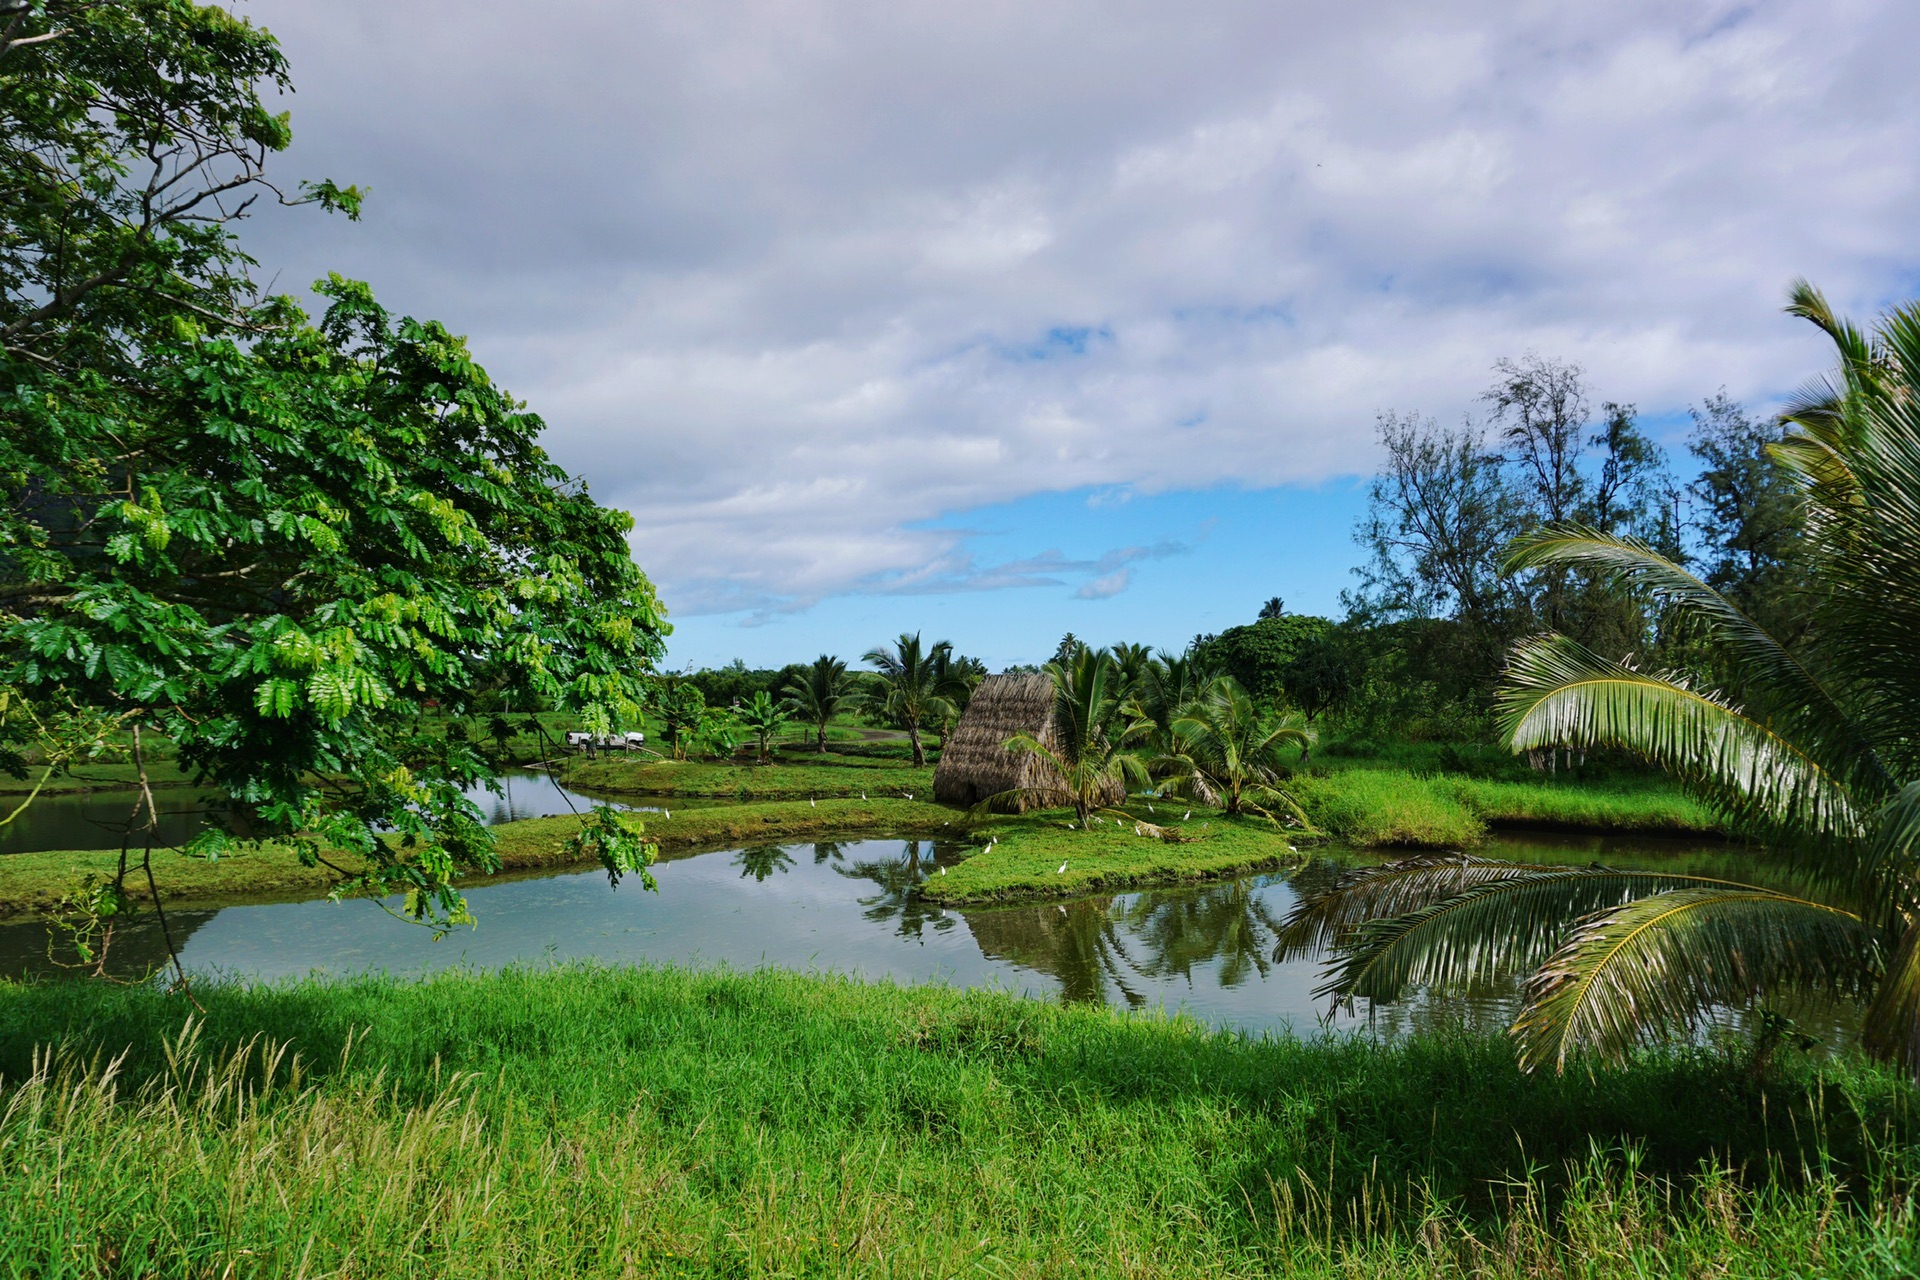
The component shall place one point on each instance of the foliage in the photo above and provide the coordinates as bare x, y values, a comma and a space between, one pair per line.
1751, 547
274, 543
1233, 756
1322, 674
818, 693
1094, 748
1448, 500
1811, 748
763, 718
1258, 655
915, 686
817, 1125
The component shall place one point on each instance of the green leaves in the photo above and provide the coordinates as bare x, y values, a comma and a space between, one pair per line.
1661, 963
1557, 693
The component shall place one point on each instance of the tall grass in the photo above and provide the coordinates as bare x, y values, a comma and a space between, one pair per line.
660, 1122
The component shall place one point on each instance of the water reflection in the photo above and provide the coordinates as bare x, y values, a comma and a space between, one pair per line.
851, 907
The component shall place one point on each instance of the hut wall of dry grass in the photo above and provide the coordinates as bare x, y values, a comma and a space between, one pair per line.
975, 763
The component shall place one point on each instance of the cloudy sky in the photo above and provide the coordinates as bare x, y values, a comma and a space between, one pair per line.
1003, 319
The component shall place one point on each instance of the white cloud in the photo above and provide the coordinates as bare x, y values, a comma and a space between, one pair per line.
790, 279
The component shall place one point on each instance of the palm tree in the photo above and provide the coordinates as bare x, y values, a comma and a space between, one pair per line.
1231, 755
762, 717
1132, 661
1167, 685
1815, 751
1093, 747
913, 686
819, 693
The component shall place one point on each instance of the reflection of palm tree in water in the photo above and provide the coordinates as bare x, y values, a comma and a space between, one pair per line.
1078, 944
899, 897
1097, 944
827, 851
762, 861
1229, 925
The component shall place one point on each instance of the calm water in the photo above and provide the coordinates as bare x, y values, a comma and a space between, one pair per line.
96, 820
852, 908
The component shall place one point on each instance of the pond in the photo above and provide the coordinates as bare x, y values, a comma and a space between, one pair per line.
852, 908
97, 819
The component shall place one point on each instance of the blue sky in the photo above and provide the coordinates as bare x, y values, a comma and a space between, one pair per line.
1112, 565
998, 320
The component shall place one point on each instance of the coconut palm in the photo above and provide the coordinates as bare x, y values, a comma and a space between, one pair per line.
1230, 755
1167, 685
913, 687
1815, 751
1094, 746
818, 693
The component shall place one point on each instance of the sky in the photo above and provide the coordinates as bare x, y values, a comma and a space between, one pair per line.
999, 320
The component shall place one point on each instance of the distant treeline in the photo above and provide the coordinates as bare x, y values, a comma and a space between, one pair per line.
1425, 631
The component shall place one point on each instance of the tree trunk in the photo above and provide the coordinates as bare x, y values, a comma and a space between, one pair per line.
919, 755
821, 747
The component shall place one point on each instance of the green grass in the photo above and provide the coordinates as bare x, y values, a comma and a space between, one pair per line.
35, 881
1025, 860
637, 1122
1381, 807
833, 775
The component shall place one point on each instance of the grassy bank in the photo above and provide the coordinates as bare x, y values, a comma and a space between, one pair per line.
1028, 852
842, 776
588, 1122
31, 882
1397, 808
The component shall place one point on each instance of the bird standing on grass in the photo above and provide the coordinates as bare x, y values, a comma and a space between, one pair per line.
1062, 871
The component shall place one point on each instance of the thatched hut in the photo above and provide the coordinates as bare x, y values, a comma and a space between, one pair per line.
975, 763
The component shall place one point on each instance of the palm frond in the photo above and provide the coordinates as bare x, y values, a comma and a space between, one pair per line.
1770, 675
1558, 693
1496, 928
1659, 964
1891, 1028
1392, 889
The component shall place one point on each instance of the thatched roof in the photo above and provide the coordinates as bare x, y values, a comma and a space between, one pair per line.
975, 763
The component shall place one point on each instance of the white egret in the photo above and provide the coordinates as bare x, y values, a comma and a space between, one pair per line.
1062, 871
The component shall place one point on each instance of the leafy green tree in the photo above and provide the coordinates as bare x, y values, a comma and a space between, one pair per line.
1751, 519
1233, 756
914, 687
1069, 648
1275, 607
276, 544
762, 717
1094, 748
680, 708
1813, 749
1259, 654
819, 693
1322, 675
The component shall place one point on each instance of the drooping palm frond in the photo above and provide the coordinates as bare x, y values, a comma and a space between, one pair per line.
1393, 889
1773, 680
1559, 693
1494, 929
1891, 1027
1659, 964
